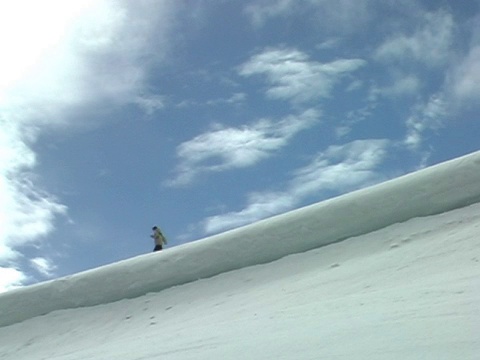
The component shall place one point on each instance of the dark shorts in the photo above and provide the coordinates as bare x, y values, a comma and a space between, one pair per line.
157, 248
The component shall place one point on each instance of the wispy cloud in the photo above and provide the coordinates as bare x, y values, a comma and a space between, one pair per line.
235, 99
260, 12
291, 75
403, 84
465, 79
339, 16
425, 117
429, 43
26, 212
356, 116
150, 103
227, 148
460, 89
340, 168
43, 266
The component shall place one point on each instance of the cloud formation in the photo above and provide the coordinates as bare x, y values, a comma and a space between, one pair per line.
237, 147
292, 76
429, 44
10, 278
425, 117
339, 168
43, 266
465, 81
27, 213
88, 56
338, 16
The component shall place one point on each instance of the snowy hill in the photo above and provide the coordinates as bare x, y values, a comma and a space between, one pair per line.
399, 279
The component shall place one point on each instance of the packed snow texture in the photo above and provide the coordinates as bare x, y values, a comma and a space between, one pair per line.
401, 285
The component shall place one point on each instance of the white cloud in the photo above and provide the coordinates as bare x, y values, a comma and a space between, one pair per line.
260, 206
101, 59
43, 266
236, 98
260, 12
465, 82
356, 116
338, 16
292, 76
228, 148
60, 58
425, 117
403, 85
430, 43
25, 211
10, 278
340, 168
26, 35
150, 103
328, 44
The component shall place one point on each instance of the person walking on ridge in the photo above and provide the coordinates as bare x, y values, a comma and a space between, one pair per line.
159, 239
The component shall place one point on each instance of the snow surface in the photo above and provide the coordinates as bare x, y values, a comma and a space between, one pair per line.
403, 285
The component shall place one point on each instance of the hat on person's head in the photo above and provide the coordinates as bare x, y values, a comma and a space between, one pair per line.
154, 228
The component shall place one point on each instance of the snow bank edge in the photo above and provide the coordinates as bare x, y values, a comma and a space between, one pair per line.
437, 189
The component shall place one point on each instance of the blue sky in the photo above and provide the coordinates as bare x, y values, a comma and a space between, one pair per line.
202, 116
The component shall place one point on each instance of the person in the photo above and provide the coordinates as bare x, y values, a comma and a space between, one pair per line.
159, 239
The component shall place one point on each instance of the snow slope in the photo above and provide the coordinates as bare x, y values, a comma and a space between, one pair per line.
408, 291
431, 191
398, 287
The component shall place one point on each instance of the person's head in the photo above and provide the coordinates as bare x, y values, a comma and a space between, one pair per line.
154, 228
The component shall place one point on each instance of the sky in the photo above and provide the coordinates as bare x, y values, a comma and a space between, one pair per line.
404, 288
203, 116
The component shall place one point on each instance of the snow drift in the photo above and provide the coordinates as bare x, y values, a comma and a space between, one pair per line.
426, 192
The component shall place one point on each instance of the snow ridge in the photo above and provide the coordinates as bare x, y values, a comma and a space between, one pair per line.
440, 188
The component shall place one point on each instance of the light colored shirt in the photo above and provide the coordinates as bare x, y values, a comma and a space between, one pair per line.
158, 237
